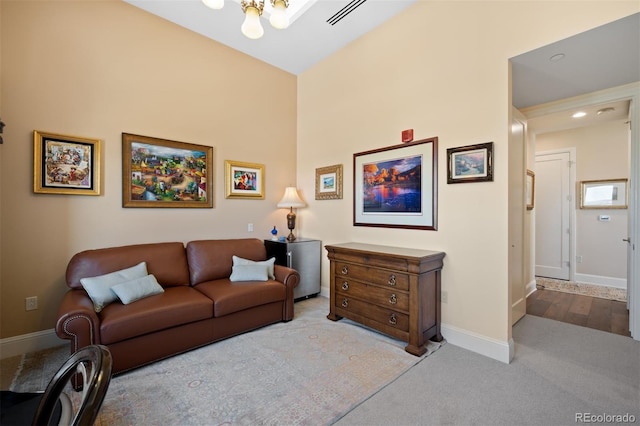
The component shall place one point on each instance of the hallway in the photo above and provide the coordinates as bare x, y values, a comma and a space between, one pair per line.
593, 312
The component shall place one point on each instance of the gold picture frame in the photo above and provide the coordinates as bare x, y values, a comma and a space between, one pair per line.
603, 194
243, 180
164, 173
329, 182
64, 164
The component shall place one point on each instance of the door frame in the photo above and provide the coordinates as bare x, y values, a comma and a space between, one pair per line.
629, 92
572, 211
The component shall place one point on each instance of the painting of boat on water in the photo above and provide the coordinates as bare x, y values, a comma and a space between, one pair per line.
472, 163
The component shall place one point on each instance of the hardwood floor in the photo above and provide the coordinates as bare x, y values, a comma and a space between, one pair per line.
592, 312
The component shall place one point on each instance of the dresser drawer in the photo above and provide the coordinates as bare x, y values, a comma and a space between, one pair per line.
380, 315
371, 259
385, 297
367, 274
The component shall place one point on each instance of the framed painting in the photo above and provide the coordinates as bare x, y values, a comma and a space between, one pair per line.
243, 180
329, 182
65, 164
603, 194
164, 173
530, 189
471, 163
396, 187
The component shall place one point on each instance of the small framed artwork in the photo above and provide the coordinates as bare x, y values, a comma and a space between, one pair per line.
603, 194
164, 173
396, 187
329, 182
530, 189
243, 180
471, 163
65, 164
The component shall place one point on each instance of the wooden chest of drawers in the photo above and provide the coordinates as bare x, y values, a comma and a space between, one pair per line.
391, 289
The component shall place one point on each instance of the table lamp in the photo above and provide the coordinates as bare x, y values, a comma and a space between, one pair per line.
291, 200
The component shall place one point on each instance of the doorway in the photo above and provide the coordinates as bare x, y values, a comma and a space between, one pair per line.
582, 251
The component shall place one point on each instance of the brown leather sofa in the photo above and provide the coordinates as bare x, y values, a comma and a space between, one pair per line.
199, 305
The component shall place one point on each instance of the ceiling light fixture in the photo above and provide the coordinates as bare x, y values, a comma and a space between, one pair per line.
579, 114
555, 58
251, 27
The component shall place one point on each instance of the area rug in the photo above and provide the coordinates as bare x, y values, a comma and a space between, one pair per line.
602, 292
309, 371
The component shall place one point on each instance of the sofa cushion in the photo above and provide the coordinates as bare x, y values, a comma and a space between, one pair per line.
140, 288
212, 259
241, 273
166, 261
229, 297
176, 306
269, 263
100, 288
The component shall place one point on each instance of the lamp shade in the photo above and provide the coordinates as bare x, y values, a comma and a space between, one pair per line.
291, 199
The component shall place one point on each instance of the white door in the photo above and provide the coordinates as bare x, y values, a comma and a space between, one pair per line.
553, 212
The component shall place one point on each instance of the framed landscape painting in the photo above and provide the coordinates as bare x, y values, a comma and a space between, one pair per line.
396, 187
329, 182
471, 163
65, 164
163, 173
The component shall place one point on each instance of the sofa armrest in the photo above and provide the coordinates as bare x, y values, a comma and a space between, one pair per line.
290, 278
77, 320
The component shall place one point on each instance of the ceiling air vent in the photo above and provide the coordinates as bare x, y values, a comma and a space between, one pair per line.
353, 5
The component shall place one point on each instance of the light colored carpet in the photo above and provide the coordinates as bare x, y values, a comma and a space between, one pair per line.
309, 371
560, 371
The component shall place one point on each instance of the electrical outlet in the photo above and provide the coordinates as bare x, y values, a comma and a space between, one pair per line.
444, 297
578, 259
31, 303
250, 227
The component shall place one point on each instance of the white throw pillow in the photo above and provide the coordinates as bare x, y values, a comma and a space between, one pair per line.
99, 288
269, 263
249, 273
137, 289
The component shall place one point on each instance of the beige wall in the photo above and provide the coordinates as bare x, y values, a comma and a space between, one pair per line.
97, 69
100, 68
602, 152
440, 68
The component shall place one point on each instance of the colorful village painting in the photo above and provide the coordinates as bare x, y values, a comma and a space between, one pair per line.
393, 186
161, 173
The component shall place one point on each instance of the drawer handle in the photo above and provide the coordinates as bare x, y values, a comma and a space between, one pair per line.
392, 280
393, 299
345, 286
345, 303
345, 270
392, 319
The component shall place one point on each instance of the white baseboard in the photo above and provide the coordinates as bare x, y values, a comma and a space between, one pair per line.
483, 345
601, 280
18, 345
530, 288
324, 292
